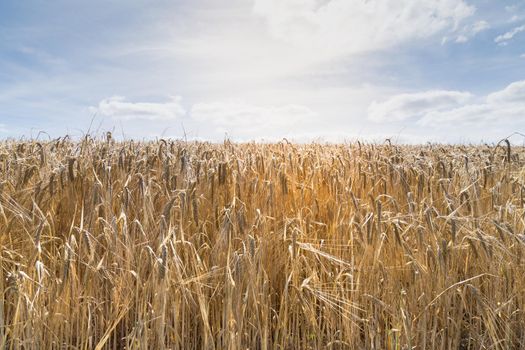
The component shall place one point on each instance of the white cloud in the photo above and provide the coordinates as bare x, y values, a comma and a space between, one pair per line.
512, 94
522, 55
450, 108
461, 39
515, 19
471, 30
118, 108
238, 117
503, 38
339, 27
479, 115
480, 26
405, 106
3, 128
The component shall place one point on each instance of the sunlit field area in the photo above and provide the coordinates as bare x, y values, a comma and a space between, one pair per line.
189, 245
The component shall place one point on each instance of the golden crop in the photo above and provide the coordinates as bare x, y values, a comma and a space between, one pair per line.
187, 245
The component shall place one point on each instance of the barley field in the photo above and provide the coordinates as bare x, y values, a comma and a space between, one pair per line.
189, 245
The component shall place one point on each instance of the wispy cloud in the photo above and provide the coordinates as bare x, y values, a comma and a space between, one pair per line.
118, 108
413, 105
515, 18
41, 56
471, 30
503, 38
3, 128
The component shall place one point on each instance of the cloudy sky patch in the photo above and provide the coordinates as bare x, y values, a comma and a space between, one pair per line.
263, 69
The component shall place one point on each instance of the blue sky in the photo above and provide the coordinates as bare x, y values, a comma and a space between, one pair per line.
411, 70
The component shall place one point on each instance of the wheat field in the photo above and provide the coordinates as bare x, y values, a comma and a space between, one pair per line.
193, 245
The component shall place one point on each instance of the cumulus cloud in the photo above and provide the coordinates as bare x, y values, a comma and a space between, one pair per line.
503, 38
512, 94
345, 27
234, 117
252, 120
118, 108
455, 108
413, 105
